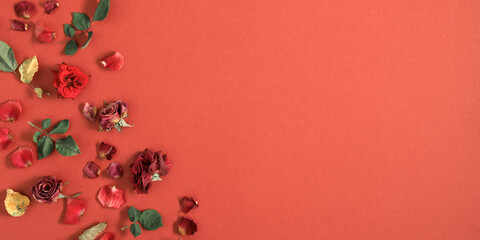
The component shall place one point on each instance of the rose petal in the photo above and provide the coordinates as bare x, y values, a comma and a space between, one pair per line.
44, 34
187, 204
6, 138
22, 157
15, 203
90, 112
114, 62
111, 197
91, 170
187, 226
25, 9
106, 151
81, 39
10, 110
107, 236
19, 26
50, 6
74, 211
115, 170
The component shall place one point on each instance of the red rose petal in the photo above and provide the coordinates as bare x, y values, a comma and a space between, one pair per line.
10, 110
187, 226
106, 151
75, 210
111, 197
44, 34
25, 9
107, 236
50, 6
91, 170
6, 138
115, 170
187, 204
22, 157
19, 26
114, 62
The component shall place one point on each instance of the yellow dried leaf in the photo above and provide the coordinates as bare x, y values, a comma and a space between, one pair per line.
38, 91
15, 203
93, 232
28, 68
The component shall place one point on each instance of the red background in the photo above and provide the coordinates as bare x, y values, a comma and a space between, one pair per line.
285, 119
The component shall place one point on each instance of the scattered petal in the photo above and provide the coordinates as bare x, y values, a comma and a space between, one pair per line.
22, 157
107, 236
19, 26
93, 232
111, 197
25, 9
6, 138
15, 203
106, 151
50, 6
81, 39
44, 34
114, 62
10, 110
75, 209
187, 204
90, 111
187, 226
115, 170
91, 170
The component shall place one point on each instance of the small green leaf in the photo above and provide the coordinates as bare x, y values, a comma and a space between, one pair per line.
39, 92
151, 219
135, 229
90, 34
71, 47
67, 147
69, 30
61, 127
102, 10
45, 147
8, 63
81, 21
46, 123
156, 177
122, 123
36, 136
134, 214
118, 127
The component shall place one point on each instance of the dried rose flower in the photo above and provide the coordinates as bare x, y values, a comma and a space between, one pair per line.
22, 157
91, 170
6, 138
50, 6
47, 189
25, 9
15, 203
75, 209
111, 197
187, 226
106, 151
147, 167
107, 236
114, 62
90, 111
187, 204
19, 26
115, 170
10, 110
112, 114
44, 34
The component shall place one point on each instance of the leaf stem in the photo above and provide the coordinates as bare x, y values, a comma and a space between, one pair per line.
123, 228
43, 131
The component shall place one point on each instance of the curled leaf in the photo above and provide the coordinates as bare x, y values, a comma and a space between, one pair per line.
93, 232
75, 209
15, 203
111, 197
10, 110
22, 157
28, 68
187, 204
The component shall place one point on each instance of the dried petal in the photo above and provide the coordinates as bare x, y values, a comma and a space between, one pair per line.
106, 151
19, 26
187, 204
50, 6
6, 138
44, 34
93, 232
81, 39
25, 9
91, 170
113, 62
111, 197
22, 157
15, 203
187, 226
10, 110
74, 211
115, 170
107, 236
90, 111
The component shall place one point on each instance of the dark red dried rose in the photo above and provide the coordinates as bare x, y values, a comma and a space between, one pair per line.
112, 114
147, 167
47, 189
69, 81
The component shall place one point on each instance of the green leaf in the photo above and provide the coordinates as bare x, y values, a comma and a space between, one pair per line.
90, 34
69, 30
8, 63
156, 177
151, 219
46, 123
71, 47
36, 135
135, 229
81, 21
102, 10
67, 147
61, 127
39, 92
134, 214
45, 147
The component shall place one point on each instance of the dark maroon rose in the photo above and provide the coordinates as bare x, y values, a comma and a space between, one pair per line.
147, 167
47, 189
112, 114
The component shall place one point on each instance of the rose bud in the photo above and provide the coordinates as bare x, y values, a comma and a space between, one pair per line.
10, 110
90, 112
25, 9
6, 138
187, 204
19, 26
74, 211
44, 34
91, 170
106, 151
114, 62
50, 6
111, 197
187, 226
22, 157
107, 236
15, 203
115, 170
47, 189
69, 81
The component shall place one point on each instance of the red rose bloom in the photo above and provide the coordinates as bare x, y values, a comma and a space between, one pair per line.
69, 81
146, 165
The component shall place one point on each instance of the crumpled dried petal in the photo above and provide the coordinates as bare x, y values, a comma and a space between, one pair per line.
91, 169
111, 197
19, 26
81, 39
44, 34
114, 62
115, 170
187, 226
93, 232
25, 9
90, 111
6, 138
106, 151
75, 209
187, 204
50, 6
22, 157
107, 236
10, 110
15, 203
